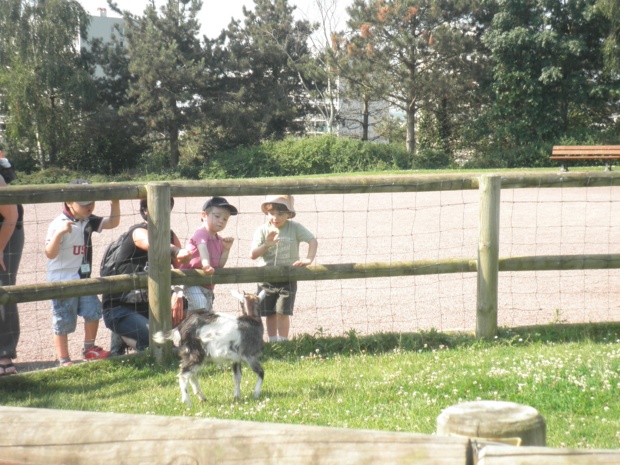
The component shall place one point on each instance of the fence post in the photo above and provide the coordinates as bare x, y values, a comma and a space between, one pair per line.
488, 256
160, 319
494, 421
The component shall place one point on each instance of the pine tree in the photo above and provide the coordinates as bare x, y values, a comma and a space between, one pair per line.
167, 63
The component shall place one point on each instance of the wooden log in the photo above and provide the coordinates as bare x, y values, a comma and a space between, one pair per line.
498, 455
159, 255
310, 186
42, 437
65, 192
114, 284
494, 421
488, 254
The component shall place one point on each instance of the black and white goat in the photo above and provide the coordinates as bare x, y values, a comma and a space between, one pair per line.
219, 337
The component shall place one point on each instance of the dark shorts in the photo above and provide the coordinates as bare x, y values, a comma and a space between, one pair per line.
280, 298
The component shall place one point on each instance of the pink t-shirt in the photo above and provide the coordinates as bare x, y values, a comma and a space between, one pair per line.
215, 246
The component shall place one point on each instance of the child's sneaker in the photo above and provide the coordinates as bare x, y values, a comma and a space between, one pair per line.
95, 353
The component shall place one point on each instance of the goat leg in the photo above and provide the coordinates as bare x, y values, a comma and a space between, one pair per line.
193, 381
260, 375
236, 367
183, 383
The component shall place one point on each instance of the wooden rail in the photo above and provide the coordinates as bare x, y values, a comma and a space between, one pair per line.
33, 436
43, 437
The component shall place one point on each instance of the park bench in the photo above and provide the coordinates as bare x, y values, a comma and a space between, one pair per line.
565, 153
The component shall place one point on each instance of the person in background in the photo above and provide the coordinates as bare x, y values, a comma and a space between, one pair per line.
11, 247
126, 314
68, 247
276, 243
209, 250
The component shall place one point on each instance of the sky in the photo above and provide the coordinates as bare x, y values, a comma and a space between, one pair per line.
215, 14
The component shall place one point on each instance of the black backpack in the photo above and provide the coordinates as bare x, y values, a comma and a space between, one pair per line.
109, 262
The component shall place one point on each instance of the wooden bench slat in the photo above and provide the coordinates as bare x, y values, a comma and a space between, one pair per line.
584, 157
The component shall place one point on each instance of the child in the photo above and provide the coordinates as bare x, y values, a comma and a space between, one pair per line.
215, 215
276, 243
126, 314
68, 247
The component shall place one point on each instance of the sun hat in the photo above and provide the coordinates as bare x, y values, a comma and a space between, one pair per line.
82, 181
219, 202
285, 201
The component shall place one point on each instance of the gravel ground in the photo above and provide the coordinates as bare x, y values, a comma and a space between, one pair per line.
363, 228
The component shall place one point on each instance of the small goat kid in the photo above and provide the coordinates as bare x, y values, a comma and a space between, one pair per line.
219, 337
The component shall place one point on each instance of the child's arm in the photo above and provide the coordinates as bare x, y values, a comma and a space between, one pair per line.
10, 215
140, 238
52, 248
179, 254
313, 244
114, 219
227, 244
270, 241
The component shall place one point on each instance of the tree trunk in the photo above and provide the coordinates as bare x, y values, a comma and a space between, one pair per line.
174, 148
365, 118
411, 116
444, 125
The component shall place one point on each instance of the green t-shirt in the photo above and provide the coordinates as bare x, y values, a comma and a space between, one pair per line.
286, 251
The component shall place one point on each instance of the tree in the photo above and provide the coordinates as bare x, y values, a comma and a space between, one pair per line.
548, 70
419, 55
44, 81
262, 79
611, 10
167, 62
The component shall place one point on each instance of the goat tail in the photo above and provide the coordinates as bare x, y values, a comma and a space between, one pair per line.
161, 337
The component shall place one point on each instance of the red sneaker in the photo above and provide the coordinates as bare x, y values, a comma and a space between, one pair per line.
95, 353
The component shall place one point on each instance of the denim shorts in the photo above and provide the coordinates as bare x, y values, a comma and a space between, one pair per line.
66, 311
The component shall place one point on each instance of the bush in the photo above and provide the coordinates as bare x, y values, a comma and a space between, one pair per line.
306, 156
431, 159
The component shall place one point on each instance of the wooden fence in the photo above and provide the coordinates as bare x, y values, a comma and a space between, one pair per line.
487, 264
32, 436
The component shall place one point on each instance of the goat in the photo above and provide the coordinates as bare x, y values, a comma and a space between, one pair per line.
220, 337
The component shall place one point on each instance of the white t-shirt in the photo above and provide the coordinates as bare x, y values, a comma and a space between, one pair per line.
73, 247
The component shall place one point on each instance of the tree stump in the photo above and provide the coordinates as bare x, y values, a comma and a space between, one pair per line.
494, 421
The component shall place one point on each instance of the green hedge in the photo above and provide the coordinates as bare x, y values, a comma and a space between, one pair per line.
306, 156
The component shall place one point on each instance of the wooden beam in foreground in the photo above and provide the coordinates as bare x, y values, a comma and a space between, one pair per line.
40, 436
506, 455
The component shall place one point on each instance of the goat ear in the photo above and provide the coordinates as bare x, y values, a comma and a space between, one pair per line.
261, 295
237, 295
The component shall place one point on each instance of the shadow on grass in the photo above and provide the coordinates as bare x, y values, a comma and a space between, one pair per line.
34, 389
352, 343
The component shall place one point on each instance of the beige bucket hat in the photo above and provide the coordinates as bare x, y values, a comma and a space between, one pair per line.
284, 200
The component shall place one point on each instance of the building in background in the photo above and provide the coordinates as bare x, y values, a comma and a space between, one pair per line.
105, 29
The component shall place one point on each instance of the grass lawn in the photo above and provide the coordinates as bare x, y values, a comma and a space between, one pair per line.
391, 382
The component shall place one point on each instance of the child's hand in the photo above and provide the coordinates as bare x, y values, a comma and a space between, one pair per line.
66, 227
183, 256
302, 262
176, 306
208, 269
272, 239
228, 242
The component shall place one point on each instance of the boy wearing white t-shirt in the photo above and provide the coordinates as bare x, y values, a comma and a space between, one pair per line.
68, 248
